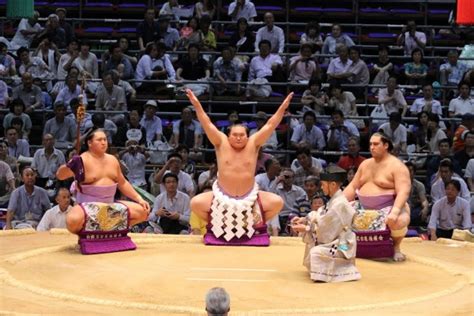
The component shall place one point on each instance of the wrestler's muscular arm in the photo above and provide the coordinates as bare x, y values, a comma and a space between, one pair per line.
64, 173
402, 182
213, 134
266, 131
126, 188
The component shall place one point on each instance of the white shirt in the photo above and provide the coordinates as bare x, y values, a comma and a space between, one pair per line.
461, 106
62, 73
264, 183
89, 64
438, 189
450, 216
272, 141
136, 168
469, 173
314, 137
53, 218
394, 105
275, 36
47, 167
19, 39
410, 43
185, 183
336, 66
262, 67
398, 136
433, 142
247, 11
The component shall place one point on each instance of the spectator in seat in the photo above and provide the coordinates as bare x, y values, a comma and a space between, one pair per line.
434, 133
29, 93
449, 212
132, 130
98, 120
467, 153
110, 97
266, 179
67, 60
306, 168
71, 91
271, 33
49, 54
188, 165
463, 104
352, 159
147, 30
17, 109
340, 131
432, 165
16, 147
130, 92
411, 39
134, 157
56, 217
307, 134
7, 62
242, 9
312, 35
87, 62
208, 37
167, 8
68, 29
62, 128
151, 122
26, 32
7, 183
243, 38
187, 131
312, 187
207, 178
54, 91
427, 102
9, 160
451, 73
416, 71
265, 66
124, 44
338, 69
167, 34
303, 67
173, 165
382, 68
227, 71
467, 124
290, 193
118, 61
47, 161
397, 132
27, 204
392, 98
260, 119
314, 98
359, 72
342, 100
189, 34
336, 37
446, 174
54, 32
154, 64
419, 206
4, 98
194, 67
170, 214
469, 175
205, 7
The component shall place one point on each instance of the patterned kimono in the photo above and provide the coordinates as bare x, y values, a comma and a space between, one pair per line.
330, 243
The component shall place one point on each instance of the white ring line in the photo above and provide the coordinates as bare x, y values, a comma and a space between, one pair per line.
229, 280
234, 269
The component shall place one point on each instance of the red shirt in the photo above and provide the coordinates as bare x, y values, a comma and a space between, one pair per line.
347, 161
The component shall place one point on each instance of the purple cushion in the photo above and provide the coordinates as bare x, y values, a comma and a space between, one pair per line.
99, 29
98, 4
65, 4
127, 30
132, 5
382, 35
308, 9
407, 11
259, 239
268, 8
374, 244
337, 10
373, 10
438, 11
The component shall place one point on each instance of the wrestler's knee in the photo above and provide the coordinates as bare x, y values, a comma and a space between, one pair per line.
137, 213
201, 202
75, 219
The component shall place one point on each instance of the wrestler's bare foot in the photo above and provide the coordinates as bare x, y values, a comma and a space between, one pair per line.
399, 256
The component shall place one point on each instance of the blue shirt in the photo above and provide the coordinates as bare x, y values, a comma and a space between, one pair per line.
28, 207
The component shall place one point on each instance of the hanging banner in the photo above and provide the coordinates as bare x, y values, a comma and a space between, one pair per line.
20, 8
465, 12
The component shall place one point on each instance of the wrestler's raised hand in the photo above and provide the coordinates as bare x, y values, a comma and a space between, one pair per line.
194, 100
287, 100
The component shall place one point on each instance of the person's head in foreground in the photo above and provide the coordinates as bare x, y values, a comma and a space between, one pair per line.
332, 179
217, 302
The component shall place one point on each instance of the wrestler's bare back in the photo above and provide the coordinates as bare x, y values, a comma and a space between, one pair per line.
378, 177
100, 171
236, 168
